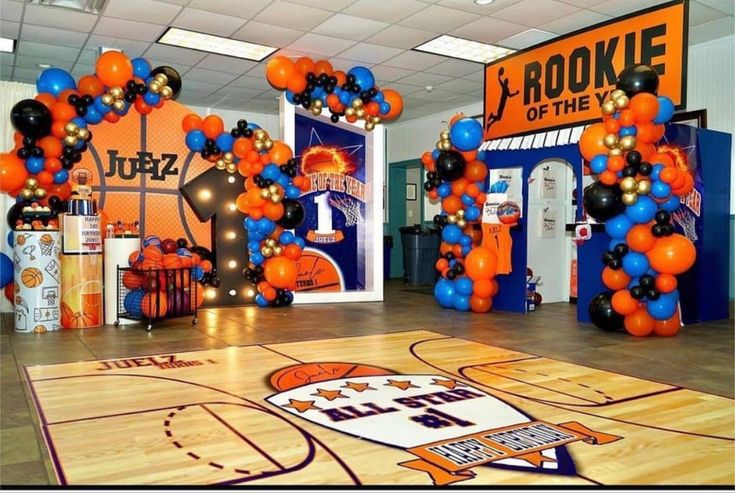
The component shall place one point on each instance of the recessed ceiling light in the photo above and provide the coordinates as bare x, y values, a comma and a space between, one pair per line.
92, 6
484, 2
215, 44
7, 45
43, 65
464, 49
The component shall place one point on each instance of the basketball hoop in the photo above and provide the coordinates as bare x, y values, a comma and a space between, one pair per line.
685, 219
349, 208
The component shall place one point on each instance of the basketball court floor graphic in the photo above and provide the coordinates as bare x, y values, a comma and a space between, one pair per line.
405, 408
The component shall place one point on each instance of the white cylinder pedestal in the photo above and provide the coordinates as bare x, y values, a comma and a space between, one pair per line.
117, 252
38, 280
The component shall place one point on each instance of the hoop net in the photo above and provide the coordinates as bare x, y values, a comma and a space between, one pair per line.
349, 208
686, 220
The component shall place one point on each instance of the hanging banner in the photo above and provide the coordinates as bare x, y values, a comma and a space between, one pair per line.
563, 82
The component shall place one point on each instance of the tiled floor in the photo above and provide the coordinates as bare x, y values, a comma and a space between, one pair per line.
700, 357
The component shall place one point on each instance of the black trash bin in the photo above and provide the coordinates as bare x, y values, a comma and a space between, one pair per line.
387, 247
420, 253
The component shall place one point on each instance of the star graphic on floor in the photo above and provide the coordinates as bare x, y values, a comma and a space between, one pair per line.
401, 384
358, 387
301, 406
449, 383
330, 394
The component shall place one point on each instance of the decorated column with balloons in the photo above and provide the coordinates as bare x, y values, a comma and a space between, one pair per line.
636, 191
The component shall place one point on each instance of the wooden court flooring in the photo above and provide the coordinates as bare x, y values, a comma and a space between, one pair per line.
218, 416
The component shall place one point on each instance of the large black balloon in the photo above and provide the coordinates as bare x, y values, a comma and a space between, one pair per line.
31, 118
602, 201
602, 313
203, 252
14, 213
293, 214
450, 165
637, 78
174, 79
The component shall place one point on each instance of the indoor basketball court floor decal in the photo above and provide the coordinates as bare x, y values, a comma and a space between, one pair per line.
411, 408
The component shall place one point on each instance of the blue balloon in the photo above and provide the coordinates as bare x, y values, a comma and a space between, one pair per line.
435, 154
481, 156
255, 235
253, 126
317, 93
345, 98
100, 106
635, 264
384, 108
93, 116
643, 211
626, 131
151, 98
379, 97
141, 68
665, 110
618, 226
443, 292
253, 246
444, 190
293, 192
249, 223
660, 190
465, 240
61, 176
467, 200
466, 134
466, 250
289, 97
197, 272
664, 307
671, 204
363, 77
656, 171
6, 270
132, 302
283, 180
55, 80
271, 172
261, 301
451, 233
34, 165
598, 163
300, 242
123, 111
460, 302
10, 239
266, 226
225, 142
287, 238
463, 286
257, 258
196, 140
472, 213
79, 122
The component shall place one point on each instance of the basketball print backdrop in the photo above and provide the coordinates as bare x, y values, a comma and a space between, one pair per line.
333, 158
37, 280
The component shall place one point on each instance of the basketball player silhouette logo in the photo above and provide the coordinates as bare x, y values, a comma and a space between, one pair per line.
505, 93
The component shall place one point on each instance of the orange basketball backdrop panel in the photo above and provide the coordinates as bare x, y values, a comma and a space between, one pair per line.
404, 408
563, 82
136, 167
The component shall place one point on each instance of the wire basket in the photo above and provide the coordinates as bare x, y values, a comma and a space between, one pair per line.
156, 294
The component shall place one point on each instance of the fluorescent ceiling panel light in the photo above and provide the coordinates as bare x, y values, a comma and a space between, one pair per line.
7, 45
464, 49
484, 2
215, 44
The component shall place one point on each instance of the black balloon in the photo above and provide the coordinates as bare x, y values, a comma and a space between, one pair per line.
31, 118
182, 242
602, 313
174, 79
14, 213
293, 214
634, 79
450, 165
602, 201
203, 252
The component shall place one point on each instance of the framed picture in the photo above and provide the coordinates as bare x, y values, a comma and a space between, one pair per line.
411, 191
696, 118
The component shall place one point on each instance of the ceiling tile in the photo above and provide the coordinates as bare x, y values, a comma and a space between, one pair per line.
7, 58
534, 12
434, 95
346, 64
332, 5
249, 82
530, 37
200, 86
488, 30
461, 86
583, 3
439, 19
575, 21
175, 54
88, 57
40, 50
349, 27
370, 53
478, 76
415, 60
12, 11
240, 92
470, 6
120, 28
53, 36
712, 30
81, 69
454, 68
384, 10
25, 74
424, 79
401, 37
267, 34
207, 75
9, 29
208, 22
180, 67
405, 89
32, 62
258, 106
725, 6
142, 10
58, 18
387, 74
292, 16
213, 62
700, 14
320, 45
176, 2
616, 7
244, 9
130, 47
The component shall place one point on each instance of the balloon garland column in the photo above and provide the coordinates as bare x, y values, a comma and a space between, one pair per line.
637, 190
456, 175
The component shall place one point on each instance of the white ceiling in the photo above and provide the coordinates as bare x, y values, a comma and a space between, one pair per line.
374, 33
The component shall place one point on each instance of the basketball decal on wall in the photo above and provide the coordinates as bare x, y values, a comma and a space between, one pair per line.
318, 272
31, 277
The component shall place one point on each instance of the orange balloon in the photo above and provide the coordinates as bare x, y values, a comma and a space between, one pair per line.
475, 171
481, 263
483, 288
591, 142
615, 279
662, 158
63, 112
90, 85
13, 172
626, 118
480, 305
114, 68
273, 211
646, 150
305, 65
640, 238
45, 178
612, 126
279, 71
445, 248
644, 106
280, 153
456, 117
673, 254
52, 147
46, 98
451, 204
469, 155
647, 132
623, 302
280, 271
459, 186
213, 126
297, 82
667, 328
241, 147
323, 67
62, 191
472, 190
396, 104
615, 163
269, 294
639, 323
666, 283
608, 177
191, 122
292, 251
64, 95
442, 264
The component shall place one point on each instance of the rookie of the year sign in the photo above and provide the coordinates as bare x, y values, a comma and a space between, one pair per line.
563, 82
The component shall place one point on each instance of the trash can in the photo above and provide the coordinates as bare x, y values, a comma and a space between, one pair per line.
420, 253
387, 247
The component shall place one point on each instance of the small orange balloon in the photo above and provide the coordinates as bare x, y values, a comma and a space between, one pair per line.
280, 271
640, 238
341, 77
280, 153
46, 98
297, 82
52, 147
667, 328
623, 302
469, 155
13, 172
273, 211
442, 264
459, 186
292, 251
612, 126
639, 323
480, 305
666, 283
396, 104
626, 118
305, 65
190, 122
608, 177
481, 263
90, 85
279, 71
615, 163
615, 279
483, 288
213, 126
475, 171
63, 112
451, 204
323, 67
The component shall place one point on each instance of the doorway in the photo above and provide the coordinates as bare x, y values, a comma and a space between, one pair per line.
405, 207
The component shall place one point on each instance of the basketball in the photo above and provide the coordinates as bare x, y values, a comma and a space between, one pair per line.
31, 277
508, 212
171, 261
154, 304
153, 252
317, 273
132, 280
134, 257
306, 373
